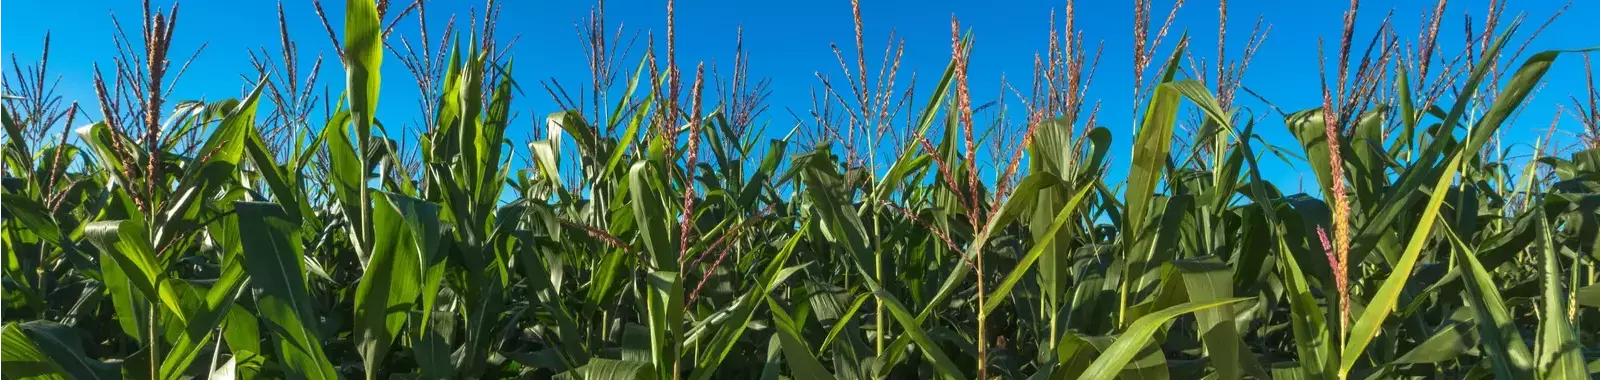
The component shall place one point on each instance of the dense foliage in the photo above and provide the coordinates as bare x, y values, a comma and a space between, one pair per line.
663, 235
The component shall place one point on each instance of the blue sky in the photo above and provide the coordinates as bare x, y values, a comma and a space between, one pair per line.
788, 41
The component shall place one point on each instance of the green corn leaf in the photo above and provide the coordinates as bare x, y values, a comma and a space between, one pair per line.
16, 146
912, 328
1560, 352
49, 350
651, 212
272, 259
126, 244
607, 369
1589, 296
215, 308
1378, 308
1072, 356
1209, 280
206, 178
843, 227
126, 298
843, 318
728, 336
408, 236
278, 181
25, 360
35, 217
1150, 149
1039, 247
760, 180
627, 97
542, 263
348, 179
628, 137
666, 319
1507, 352
1452, 339
1131, 342
102, 140
363, 52
1408, 111
802, 363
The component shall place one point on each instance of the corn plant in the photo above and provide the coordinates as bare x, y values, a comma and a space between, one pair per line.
655, 231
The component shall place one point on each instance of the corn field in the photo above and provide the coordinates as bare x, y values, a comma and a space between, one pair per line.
670, 230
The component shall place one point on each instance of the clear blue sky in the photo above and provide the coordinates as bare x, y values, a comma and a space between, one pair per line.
789, 41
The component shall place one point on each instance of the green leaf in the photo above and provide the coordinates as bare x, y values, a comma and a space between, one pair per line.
272, 258
1072, 355
126, 298
651, 213
49, 350
628, 135
802, 363
1150, 149
608, 369
283, 192
216, 306
842, 226
843, 321
1379, 306
1589, 296
1560, 352
1132, 341
1316, 346
103, 141
1507, 352
1022, 198
627, 98
209, 176
24, 360
241, 331
541, 261
1039, 247
408, 236
912, 327
547, 157
126, 244
363, 53
1309, 128
776, 151
728, 336
16, 146
666, 318
1210, 280
35, 217
348, 179
1452, 339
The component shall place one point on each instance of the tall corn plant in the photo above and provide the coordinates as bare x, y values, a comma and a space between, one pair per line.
676, 259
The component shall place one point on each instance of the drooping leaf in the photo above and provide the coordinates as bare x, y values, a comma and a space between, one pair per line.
1212, 281
127, 244
407, 237
1131, 342
1507, 352
25, 361
49, 350
802, 363
272, 258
